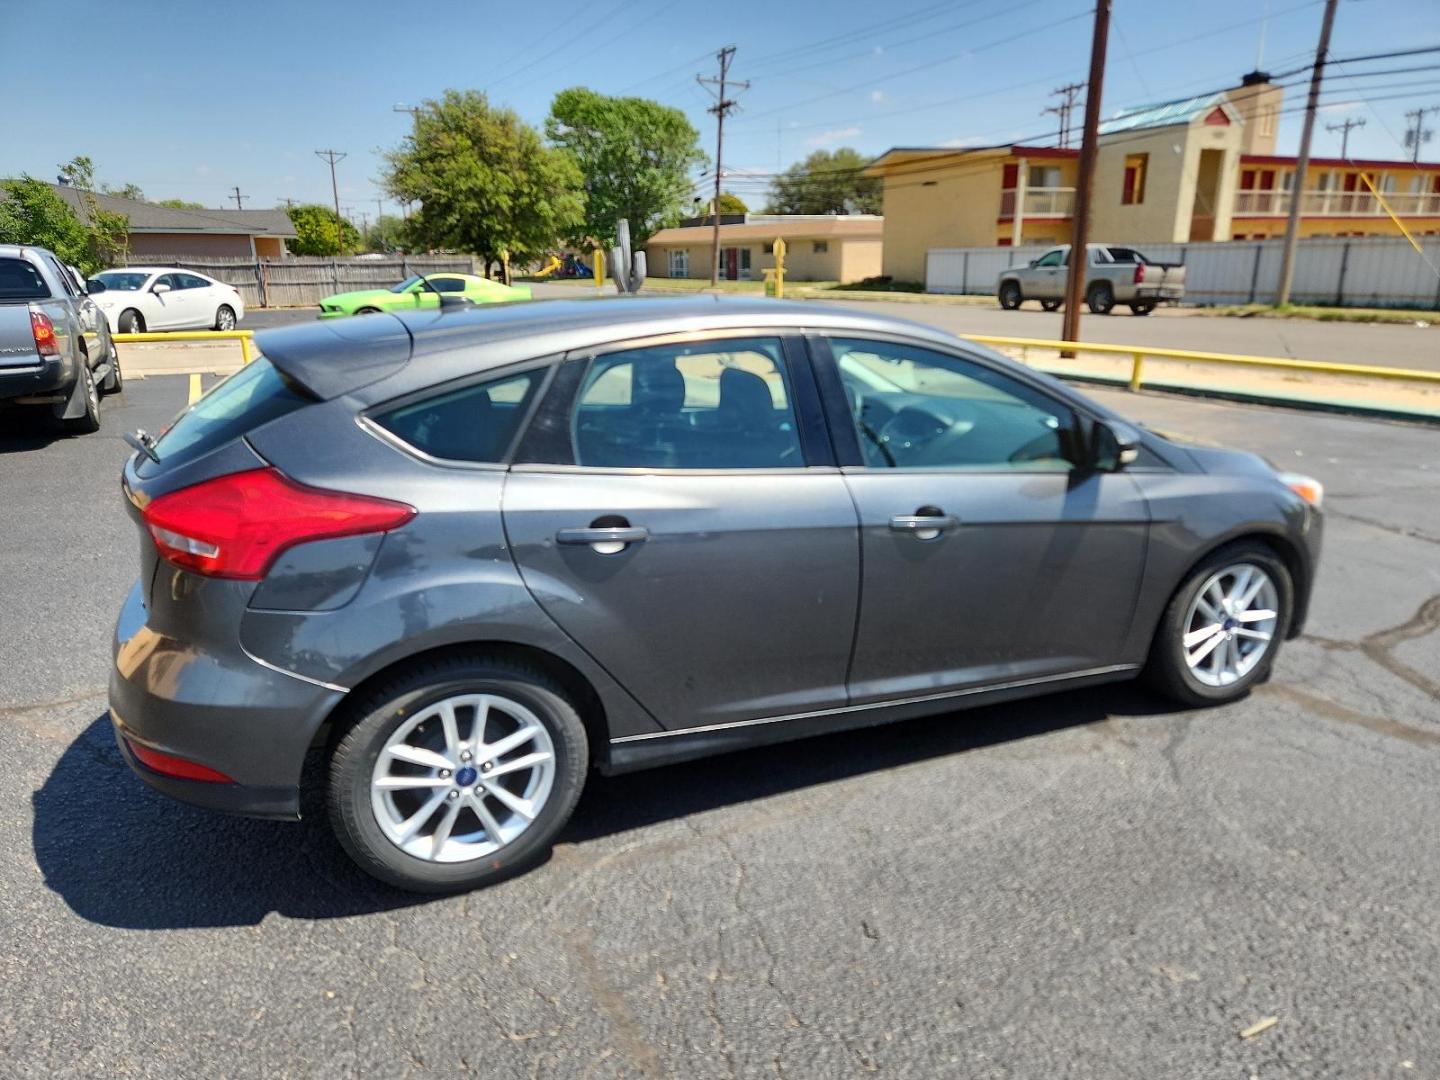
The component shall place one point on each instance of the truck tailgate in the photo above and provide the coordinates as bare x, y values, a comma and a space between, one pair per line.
17, 339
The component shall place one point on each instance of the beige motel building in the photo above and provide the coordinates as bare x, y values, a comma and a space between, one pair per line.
817, 248
1194, 170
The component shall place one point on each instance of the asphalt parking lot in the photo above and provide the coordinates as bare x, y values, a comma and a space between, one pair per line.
1084, 885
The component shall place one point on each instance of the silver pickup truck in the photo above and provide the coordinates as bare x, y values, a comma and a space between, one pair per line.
55, 346
1114, 275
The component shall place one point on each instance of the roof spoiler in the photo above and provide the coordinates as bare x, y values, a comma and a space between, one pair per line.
338, 356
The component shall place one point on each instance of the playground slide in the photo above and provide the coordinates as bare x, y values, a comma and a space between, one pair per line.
550, 267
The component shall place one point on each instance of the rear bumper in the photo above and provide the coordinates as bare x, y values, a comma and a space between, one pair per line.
217, 708
1159, 293
53, 374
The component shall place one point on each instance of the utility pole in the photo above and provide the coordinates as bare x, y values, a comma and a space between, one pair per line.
1302, 162
722, 108
1344, 128
1069, 92
332, 156
1418, 134
238, 197
1089, 147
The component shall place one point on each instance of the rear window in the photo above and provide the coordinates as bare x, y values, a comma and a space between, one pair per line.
477, 423
254, 395
21, 281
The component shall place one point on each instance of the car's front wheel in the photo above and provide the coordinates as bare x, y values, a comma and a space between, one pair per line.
368, 311
1221, 630
457, 773
1010, 295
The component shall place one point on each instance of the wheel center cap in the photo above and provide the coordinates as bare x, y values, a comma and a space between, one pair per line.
467, 776
1229, 624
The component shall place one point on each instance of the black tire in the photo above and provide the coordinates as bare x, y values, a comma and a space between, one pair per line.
1051, 305
115, 381
1010, 295
1100, 298
1141, 309
367, 311
224, 314
1167, 670
131, 322
88, 422
373, 719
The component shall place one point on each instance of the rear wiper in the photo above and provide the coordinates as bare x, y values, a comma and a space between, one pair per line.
143, 441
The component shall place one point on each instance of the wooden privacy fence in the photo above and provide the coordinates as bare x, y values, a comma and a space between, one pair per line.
301, 282
1377, 271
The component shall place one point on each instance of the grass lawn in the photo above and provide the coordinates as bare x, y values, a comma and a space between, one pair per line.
1323, 314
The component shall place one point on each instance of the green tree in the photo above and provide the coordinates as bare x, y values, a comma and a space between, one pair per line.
108, 233
387, 234
826, 182
181, 204
732, 204
316, 232
124, 191
31, 213
635, 156
485, 181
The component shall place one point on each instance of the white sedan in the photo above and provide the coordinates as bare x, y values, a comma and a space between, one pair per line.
138, 299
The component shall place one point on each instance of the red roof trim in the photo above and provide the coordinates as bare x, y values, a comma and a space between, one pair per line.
1217, 117
1339, 163
1043, 152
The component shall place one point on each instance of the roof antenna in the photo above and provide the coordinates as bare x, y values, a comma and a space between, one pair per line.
1264, 22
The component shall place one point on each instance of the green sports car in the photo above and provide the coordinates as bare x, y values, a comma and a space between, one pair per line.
420, 292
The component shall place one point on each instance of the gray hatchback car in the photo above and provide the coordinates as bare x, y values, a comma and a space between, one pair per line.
470, 556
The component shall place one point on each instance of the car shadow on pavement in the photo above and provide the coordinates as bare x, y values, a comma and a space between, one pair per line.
24, 430
123, 855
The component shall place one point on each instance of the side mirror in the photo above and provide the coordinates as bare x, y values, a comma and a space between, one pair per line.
94, 285
159, 287
1113, 445
1033, 262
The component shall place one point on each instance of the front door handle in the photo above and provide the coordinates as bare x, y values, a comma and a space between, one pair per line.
924, 526
604, 539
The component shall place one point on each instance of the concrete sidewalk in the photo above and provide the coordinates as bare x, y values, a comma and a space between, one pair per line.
138, 360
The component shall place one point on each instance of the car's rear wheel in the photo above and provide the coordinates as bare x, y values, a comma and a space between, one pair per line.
368, 311
1223, 627
224, 317
1050, 305
1010, 295
456, 774
131, 322
1100, 298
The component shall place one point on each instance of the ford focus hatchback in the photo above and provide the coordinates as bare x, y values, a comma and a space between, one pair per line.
472, 556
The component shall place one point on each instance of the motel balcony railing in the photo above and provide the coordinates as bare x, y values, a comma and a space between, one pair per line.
1040, 202
1338, 203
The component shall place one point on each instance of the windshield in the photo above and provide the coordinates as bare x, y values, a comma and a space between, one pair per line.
410, 282
124, 280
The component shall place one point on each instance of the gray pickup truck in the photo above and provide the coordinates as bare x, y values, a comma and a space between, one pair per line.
55, 346
1115, 275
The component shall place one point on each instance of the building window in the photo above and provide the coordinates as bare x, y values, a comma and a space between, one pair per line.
679, 262
770, 249
820, 247
1133, 192
1267, 120
1044, 176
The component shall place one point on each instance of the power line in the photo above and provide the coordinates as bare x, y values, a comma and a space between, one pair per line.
589, 29
723, 107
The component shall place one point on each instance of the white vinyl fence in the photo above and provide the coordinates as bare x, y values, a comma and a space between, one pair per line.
1343, 271
302, 281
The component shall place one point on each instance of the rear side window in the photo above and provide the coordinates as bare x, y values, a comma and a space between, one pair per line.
21, 281
254, 395
477, 423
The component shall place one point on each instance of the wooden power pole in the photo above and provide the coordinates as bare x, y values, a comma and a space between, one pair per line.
1302, 161
1075, 278
722, 107
332, 156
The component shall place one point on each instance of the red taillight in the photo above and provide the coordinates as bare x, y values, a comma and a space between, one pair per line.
44, 332
236, 526
1139, 273
170, 765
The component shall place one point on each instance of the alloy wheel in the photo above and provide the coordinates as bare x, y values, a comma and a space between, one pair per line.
462, 778
1231, 624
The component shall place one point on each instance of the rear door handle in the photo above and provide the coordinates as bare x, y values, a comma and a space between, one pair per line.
606, 540
924, 526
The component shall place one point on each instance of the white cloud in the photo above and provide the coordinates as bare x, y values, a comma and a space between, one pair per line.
963, 141
877, 96
836, 135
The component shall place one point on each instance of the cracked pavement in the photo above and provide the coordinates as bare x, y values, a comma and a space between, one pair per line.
1083, 885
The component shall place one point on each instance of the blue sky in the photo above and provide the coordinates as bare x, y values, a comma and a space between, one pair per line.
187, 99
